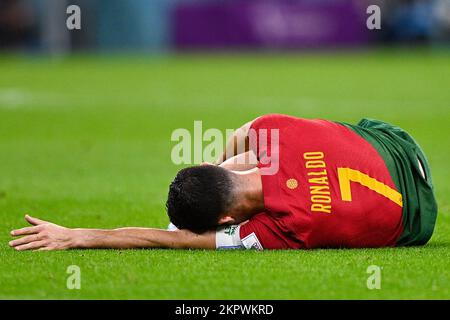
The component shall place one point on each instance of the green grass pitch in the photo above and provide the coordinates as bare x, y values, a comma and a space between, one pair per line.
85, 142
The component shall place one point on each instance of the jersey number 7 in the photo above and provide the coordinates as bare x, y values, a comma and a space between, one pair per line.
347, 175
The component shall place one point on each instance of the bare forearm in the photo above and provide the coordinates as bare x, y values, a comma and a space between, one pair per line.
126, 238
117, 238
236, 144
241, 162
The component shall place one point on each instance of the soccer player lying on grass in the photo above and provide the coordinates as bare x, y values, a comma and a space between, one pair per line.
304, 184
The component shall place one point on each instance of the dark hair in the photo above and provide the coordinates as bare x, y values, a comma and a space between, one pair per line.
198, 196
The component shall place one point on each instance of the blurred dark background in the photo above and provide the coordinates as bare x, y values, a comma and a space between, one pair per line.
166, 25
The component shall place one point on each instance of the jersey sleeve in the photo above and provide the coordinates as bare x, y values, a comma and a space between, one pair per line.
261, 233
257, 233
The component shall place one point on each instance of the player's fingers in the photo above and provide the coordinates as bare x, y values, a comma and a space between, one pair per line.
31, 245
25, 231
45, 249
34, 221
24, 240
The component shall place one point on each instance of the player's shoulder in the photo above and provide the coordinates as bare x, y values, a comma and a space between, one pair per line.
273, 120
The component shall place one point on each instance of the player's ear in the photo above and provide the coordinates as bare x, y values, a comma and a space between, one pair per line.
226, 220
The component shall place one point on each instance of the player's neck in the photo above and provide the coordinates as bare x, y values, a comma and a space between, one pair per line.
249, 197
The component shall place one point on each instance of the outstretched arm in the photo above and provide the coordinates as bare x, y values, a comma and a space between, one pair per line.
43, 235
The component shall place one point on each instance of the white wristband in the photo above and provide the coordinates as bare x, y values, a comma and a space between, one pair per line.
171, 227
228, 238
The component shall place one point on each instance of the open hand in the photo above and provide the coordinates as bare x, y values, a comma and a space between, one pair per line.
42, 235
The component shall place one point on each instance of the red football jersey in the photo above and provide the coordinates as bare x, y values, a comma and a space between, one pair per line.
326, 187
